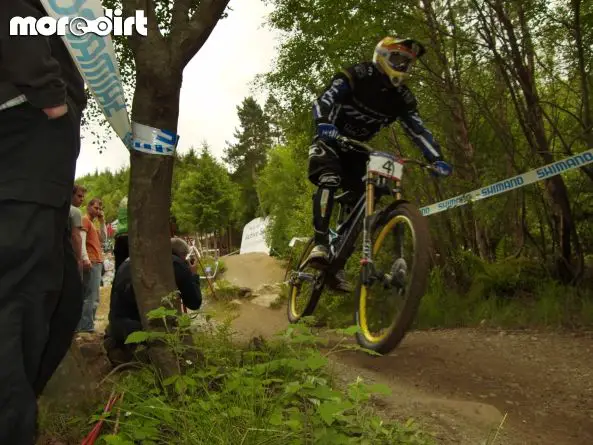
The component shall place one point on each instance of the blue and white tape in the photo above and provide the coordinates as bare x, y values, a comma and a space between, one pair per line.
539, 174
94, 56
152, 140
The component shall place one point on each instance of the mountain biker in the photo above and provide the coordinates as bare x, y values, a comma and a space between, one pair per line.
360, 101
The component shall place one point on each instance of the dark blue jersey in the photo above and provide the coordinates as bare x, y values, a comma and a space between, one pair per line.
359, 103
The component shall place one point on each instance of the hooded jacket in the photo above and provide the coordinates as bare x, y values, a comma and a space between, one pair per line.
35, 68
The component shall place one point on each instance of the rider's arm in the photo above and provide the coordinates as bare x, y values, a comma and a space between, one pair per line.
423, 138
334, 94
414, 127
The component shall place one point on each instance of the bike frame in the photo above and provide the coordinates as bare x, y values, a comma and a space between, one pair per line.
348, 231
195, 253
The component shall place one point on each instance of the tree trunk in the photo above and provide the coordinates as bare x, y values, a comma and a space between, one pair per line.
518, 65
156, 103
464, 153
159, 65
584, 76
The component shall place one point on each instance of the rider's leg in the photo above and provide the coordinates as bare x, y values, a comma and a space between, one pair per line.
325, 172
352, 181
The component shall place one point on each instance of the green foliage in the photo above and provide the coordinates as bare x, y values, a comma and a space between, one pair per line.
515, 293
469, 98
278, 393
248, 155
109, 187
286, 195
224, 290
205, 199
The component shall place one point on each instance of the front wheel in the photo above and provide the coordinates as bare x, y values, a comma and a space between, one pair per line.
388, 304
305, 287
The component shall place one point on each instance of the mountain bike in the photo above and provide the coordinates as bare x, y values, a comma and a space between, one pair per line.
393, 269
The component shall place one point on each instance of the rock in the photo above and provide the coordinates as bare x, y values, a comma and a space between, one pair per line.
267, 294
266, 300
244, 292
269, 289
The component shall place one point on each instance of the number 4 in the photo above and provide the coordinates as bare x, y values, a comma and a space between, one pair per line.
388, 166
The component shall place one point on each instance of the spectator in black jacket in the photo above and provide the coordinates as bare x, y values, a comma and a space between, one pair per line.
41, 100
124, 317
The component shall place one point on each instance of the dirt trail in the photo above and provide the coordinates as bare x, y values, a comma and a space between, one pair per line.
460, 383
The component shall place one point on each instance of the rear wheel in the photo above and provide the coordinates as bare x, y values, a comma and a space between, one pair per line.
401, 259
305, 287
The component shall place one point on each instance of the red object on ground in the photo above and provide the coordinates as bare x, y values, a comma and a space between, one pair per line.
94, 434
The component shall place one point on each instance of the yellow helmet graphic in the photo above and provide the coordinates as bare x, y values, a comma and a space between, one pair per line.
395, 57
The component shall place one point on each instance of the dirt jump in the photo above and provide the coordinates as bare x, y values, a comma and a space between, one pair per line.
459, 384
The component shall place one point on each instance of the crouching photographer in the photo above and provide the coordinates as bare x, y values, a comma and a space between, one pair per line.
124, 317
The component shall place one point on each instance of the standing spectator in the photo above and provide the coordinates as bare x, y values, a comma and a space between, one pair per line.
92, 260
41, 100
120, 246
78, 194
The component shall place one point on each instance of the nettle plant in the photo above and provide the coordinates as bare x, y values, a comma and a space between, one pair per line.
277, 392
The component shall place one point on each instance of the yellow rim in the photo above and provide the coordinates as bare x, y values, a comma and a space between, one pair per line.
294, 294
293, 298
363, 289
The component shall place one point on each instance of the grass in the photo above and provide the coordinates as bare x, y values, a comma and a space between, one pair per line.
68, 425
542, 303
273, 393
224, 291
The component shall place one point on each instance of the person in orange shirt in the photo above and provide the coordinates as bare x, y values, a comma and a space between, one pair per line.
92, 263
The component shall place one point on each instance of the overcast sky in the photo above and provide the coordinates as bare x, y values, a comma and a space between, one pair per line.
216, 80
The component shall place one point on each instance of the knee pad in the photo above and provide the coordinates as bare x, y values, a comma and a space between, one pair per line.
329, 180
320, 148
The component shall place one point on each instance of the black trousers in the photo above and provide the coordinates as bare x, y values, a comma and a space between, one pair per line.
40, 305
331, 168
40, 287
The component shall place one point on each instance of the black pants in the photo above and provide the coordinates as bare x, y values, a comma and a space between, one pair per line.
40, 304
40, 288
64, 319
121, 250
331, 168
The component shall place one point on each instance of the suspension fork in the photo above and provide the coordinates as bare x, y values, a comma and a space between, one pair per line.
399, 228
366, 262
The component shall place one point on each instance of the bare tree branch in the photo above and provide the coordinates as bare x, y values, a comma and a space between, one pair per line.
189, 37
180, 15
570, 113
129, 8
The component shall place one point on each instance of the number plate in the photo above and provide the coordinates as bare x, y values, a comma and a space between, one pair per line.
385, 166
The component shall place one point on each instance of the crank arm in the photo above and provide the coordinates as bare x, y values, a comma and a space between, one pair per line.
301, 276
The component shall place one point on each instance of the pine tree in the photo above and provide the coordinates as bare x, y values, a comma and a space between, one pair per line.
248, 155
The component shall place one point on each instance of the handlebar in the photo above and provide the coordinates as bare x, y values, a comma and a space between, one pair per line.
350, 143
